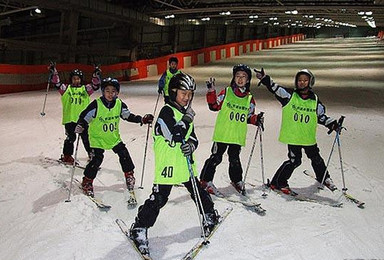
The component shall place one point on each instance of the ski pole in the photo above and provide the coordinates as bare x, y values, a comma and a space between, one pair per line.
262, 160
340, 122
199, 204
250, 156
338, 133
42, 113
73, 170
146, 145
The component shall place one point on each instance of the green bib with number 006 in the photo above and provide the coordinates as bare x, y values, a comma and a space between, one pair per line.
299, 121
74, 101
231, 122
170, 163
104, 130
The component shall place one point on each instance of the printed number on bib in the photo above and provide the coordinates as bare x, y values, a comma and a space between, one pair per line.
301, 118
167, 172
76, 101
237, 116
109, 127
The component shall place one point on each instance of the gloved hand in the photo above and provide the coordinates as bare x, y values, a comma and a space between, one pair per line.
187, 149
177, 135
160, 90
260, 74
210, 84
147, 119
189, 115
257, 119
97, 71
79, 129
333, 126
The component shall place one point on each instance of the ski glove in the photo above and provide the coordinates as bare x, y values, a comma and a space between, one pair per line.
160, 90
187, 149
79, 129
189, 115
147, 119
333, 126
260, 74
210, 84
257, 119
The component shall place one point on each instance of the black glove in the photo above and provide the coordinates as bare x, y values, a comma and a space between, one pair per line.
147, 119
160, 90
333, 126
187, 149
97, 71
177, 135
189, 115
260, 74
210, 84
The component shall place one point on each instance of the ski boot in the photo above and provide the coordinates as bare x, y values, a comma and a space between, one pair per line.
87, 186
129, 180
211, 220
67, 159
328, 182
139, 235
209, 187
239, 186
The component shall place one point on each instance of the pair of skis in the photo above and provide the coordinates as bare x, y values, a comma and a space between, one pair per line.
192, 253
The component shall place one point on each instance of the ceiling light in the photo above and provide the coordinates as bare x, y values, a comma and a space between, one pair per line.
170, 16
368, 13
205, 19
360, 13
37, 10
295, 12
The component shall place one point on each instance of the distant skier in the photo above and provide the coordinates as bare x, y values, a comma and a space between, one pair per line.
236, 107
174, 124
102, 116
74, 98
302, 111
163, 86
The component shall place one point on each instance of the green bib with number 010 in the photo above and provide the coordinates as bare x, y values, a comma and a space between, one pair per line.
74, 101
299, 121
170, 163
104, 130
231, 122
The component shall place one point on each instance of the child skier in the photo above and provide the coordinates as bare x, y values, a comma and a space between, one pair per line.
166, 77
102, 116
74, 98
174, 140
236, 107
302, 111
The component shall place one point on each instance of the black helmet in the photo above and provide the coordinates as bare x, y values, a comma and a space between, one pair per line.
180, 81
110, 82
76, 72
173, 59
309, 74
246, 69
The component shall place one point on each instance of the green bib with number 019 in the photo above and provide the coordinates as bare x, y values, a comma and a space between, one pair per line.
74, 101
170, 163
104, 130
299, 121
231, 122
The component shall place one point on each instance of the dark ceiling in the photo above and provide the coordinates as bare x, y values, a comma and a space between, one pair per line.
277, 12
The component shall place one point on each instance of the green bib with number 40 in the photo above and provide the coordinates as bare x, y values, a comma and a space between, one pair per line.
104, 130
299, 121
231, 122
170, 163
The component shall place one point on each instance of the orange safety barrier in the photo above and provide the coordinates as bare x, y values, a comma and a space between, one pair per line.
18, 78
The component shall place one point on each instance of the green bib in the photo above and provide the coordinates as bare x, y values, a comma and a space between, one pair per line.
170, 163
74, 101
299, 121
104, 130
167, 79
231, 121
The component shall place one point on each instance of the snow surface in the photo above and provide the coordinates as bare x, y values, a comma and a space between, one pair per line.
36, 223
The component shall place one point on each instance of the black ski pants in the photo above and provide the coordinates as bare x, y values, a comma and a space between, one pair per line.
71, 138
280, 179
217, 151
149, 211
98, 155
